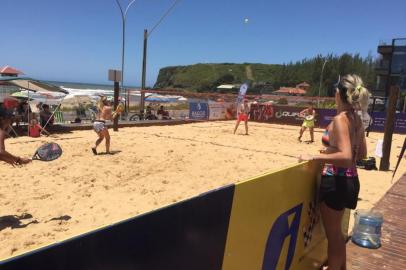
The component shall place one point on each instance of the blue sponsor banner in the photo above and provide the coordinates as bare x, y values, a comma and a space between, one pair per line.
378, 120
290, 115
198, 111
325, 116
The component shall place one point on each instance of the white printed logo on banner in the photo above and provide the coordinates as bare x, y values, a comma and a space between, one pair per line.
217, 110
243, 91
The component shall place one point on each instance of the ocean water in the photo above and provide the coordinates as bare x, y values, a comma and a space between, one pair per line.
84, 86
94, 91
88, 88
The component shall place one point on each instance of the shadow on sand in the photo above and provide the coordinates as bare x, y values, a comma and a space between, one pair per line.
111, 153
14, 222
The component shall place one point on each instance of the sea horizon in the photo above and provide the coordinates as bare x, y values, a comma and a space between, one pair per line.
84, 85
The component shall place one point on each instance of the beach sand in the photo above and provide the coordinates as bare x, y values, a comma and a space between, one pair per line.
155, 166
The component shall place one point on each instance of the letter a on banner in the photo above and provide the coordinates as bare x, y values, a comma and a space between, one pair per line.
285, 225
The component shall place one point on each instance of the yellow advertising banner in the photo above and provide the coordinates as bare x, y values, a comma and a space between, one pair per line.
268, 222
275, 222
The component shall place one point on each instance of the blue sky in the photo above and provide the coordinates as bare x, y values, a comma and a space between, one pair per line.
78, 41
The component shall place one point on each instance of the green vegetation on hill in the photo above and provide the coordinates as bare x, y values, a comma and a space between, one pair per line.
200, 77
265, 78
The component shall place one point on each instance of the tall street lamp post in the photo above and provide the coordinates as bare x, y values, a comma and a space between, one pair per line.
123, 19
321, 81
144, 56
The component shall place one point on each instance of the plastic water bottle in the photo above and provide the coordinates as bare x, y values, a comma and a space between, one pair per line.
367, 229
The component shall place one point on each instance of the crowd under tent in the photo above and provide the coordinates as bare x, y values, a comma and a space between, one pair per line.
33, 86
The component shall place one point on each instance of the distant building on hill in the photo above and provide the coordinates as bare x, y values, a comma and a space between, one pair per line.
228, 88
8, 71
304, 85
300, 90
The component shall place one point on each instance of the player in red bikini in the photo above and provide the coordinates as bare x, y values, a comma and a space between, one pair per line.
242, 115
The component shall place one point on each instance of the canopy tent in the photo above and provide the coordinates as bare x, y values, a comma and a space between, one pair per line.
33, 86
76, 99
26, 93
39, 97
20, 95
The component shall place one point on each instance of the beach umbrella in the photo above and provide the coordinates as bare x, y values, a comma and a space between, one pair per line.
20, 95
32, 85
38, 96
74, 100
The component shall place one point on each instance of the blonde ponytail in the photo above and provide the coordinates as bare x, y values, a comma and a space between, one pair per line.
100, 104
352, 89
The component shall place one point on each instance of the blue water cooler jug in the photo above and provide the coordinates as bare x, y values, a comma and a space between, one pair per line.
367, 228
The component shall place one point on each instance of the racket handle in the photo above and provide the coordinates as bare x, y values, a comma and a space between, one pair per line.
34, 157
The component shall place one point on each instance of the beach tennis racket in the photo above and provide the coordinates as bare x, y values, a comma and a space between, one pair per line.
309, 117
48, 152
120, 108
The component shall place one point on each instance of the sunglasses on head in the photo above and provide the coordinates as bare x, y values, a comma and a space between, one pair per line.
335, 88
337, 85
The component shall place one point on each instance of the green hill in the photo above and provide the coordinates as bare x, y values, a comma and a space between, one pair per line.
206, 77
265, 78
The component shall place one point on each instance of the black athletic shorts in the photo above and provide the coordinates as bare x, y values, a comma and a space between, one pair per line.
339, 192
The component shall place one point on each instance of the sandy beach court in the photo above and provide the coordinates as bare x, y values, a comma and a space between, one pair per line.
152, 167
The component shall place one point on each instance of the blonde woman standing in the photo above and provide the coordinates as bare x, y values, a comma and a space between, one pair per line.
344, 142
104, 114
